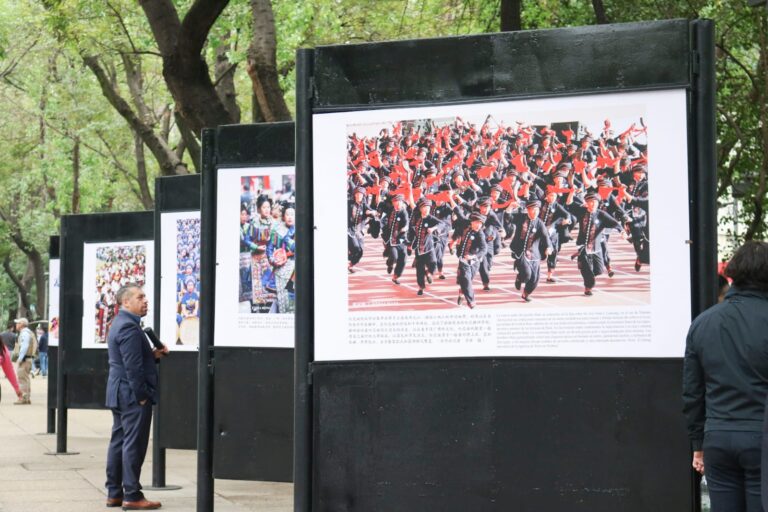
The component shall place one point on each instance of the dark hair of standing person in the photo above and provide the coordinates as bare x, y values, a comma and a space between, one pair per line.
748, 268
722, 287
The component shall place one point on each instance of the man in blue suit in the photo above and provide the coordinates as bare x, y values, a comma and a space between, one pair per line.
131, 392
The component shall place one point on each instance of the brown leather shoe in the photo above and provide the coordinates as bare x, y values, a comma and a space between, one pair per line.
114, 502
141, 504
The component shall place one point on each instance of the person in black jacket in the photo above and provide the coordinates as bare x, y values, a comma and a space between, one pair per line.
725, 382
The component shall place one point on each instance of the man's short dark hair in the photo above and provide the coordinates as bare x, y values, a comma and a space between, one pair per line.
748, 267
125, 292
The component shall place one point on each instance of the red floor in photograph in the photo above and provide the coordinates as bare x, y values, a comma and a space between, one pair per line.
371, 288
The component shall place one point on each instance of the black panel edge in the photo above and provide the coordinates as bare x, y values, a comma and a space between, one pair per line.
262, 147
53, 253
158, 455
205, 484
61, 380
703, 169
543, 32
484, 83
167, 202
305, 315
702, 173
53, 246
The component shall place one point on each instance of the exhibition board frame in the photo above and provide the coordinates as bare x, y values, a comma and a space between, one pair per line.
53, 350
82, 372
175, 419
245, 393
495, 433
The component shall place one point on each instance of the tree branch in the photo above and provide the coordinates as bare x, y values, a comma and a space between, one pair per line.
744, 68
164, 22
599, 9
122, 25
16, 280
510, 15
165, 157
198, 22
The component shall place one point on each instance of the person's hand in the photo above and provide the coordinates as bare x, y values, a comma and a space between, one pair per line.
160, 353
143, 402
547, 251
698, 462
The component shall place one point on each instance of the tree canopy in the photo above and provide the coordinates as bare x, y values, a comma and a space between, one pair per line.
100, 97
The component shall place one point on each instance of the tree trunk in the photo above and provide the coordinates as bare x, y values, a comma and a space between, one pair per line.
190, 142
184, 69
262, 64
756, 229
166, 158
35, 268
135, 80
599, 8
511, 15
141, 173
38, 271
224, 71
256, 115
22, 293
76, 176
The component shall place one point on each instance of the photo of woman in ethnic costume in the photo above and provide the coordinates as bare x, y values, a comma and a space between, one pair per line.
267, 245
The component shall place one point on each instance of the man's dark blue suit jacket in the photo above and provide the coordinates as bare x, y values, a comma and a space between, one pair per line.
132, 369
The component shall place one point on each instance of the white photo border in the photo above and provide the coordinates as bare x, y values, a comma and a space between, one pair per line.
664, 112
273, 331
89, 280
168, 265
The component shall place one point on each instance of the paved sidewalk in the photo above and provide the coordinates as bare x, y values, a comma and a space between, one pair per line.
31, 481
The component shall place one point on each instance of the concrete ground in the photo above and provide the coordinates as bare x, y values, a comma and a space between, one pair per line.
31, 481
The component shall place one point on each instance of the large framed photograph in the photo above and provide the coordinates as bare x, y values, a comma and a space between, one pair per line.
255, 257
107, 267
180, 280
515, 228
54, 285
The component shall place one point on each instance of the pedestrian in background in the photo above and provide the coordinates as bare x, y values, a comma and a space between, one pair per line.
7, 365
27, 352
42, 341
725, 383
8, 336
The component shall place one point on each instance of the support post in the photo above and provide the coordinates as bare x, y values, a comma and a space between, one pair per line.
205, 486
61, 376
304, 351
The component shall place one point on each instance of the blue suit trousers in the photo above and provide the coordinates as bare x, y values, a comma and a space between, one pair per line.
127, 450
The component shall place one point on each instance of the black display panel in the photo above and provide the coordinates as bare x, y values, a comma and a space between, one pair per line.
177, 408
86, 369
503, 433
246, 394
